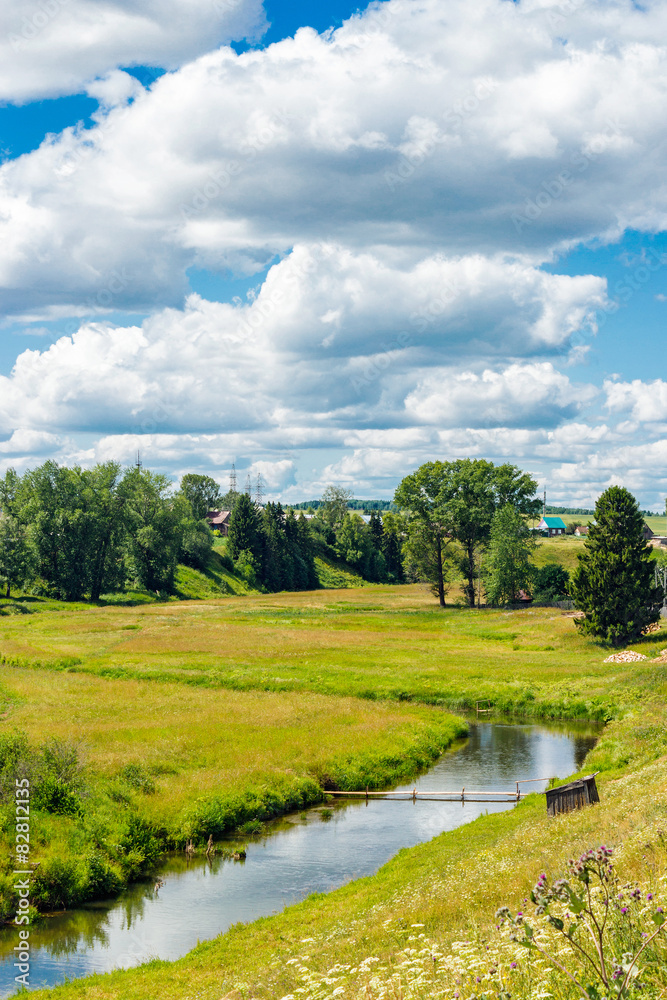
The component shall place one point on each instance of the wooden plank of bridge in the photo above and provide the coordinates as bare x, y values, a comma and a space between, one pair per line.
446, 796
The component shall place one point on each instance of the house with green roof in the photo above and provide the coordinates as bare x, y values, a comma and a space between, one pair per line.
554, 525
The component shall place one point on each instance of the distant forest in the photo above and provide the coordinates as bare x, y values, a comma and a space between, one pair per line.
568, 510
351, 505
591, 513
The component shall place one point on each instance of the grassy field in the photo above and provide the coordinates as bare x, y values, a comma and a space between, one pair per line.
560, 550
424, 925
376, 642
207, 716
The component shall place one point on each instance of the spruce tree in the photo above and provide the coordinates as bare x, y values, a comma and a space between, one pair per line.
245, 533
614, 582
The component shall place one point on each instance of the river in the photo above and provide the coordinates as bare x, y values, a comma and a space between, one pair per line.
315, 851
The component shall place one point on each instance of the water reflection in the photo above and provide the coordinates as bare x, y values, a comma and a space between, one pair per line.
301, 855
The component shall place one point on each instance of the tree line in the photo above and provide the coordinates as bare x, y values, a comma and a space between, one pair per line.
275, 548
72, 532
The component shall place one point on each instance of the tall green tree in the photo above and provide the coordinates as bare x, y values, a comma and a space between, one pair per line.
508, 562
156, 521
245, 529
105, 499
54, 502
300, 543
376, 530
333, 506
202, 492
15, 554
614, 582
419, 496
393, 536
457, 501
196, 543
75, 518
473, 490
428, 556
277, 563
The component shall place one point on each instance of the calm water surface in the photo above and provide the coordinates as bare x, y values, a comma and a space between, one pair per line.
301, 854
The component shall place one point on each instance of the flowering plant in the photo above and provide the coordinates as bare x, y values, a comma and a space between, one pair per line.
606, 928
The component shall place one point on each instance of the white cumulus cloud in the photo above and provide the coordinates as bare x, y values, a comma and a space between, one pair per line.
517, 396
53, 47
410, 128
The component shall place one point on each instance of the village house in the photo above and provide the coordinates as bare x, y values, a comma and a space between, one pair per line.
554, 525
218, 520
582, 529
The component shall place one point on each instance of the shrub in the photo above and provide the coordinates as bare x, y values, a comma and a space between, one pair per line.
137, 777
57, 883
55, 796
60, 758
551, 583
101, 880
196, 545
247, 568
141, 848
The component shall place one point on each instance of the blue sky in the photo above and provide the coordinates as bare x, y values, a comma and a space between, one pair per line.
329, 242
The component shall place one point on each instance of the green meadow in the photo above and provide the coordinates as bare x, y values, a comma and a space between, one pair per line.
374, 643
295, 655
192, 717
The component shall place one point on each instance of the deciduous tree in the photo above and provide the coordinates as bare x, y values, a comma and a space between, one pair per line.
508, 566
202, 492
333, 507
457, 501
15, 553
420, 496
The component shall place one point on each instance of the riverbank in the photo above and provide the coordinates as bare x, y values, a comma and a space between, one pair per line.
121, 771
366, 938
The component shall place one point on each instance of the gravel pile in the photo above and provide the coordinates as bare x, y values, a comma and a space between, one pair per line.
627, 656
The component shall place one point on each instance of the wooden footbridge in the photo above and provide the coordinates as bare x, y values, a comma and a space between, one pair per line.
460, 795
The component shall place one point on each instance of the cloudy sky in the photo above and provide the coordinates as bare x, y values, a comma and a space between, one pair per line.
330, 243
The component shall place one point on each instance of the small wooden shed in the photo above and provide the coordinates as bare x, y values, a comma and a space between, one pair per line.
575, 795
